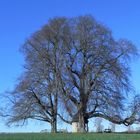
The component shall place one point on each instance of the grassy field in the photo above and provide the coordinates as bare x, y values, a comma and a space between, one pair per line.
43, 136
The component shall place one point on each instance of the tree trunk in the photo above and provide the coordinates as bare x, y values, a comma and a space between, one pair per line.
54, 126
82, 128
54, 118
83, 103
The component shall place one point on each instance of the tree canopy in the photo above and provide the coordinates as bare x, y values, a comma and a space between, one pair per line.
74, 66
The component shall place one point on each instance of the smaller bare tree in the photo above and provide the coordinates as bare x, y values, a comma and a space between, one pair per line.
112, 126
98, 124
130, 128
138, 129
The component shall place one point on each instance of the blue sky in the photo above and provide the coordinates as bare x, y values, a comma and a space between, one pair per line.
20, 18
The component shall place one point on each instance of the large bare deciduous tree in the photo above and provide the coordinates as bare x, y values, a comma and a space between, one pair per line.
76, 63
36, 94
95, 74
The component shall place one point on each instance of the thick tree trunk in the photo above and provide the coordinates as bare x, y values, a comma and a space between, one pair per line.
82, 128
54, 126
83, 103
54, 118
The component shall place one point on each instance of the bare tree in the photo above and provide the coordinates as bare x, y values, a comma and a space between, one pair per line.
130, 129
138, 129
112, 127
82, 67
36, 94
95, 74
98, 124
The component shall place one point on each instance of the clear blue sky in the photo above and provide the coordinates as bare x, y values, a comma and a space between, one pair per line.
20, 18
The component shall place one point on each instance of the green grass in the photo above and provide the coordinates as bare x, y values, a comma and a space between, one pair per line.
43, 136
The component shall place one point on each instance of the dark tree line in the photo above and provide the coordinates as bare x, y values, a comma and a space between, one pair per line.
74, 66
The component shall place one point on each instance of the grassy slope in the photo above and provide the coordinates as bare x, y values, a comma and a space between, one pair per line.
44, 136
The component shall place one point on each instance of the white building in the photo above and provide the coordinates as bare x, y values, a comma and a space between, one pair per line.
75, 124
